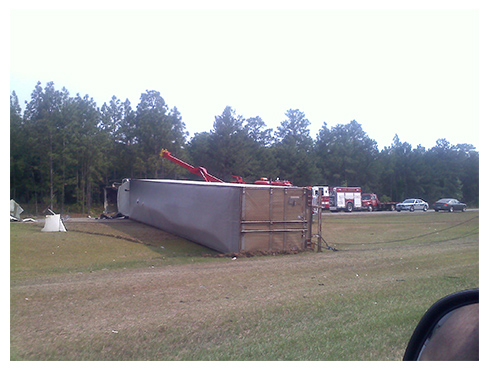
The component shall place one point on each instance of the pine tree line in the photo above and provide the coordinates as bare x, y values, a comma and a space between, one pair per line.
64, 150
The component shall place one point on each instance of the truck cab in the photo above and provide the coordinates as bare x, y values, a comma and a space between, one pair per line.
370, 201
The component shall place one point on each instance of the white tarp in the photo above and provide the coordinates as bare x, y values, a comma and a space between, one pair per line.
53, 224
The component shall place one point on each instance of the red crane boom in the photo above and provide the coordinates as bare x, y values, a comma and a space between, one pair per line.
202, 171
198, 170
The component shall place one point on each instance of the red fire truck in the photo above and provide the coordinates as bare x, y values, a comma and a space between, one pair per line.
321, 193
345, 198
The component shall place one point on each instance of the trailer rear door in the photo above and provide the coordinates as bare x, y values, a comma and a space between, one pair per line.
274, 219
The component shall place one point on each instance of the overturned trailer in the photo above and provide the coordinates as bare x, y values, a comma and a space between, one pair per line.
226, 217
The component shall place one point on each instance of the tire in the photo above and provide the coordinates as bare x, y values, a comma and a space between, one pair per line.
370, 208
349, 207
393, 208
411, 209
450, 210
464, 209
425, 209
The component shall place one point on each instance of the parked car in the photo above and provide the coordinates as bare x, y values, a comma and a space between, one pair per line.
412, 204
449, 204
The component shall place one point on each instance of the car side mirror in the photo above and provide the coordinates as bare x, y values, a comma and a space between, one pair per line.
448, 331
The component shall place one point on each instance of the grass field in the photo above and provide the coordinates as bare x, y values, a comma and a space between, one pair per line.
125, 291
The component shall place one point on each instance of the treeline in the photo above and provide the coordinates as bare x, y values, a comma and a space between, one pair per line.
64, 150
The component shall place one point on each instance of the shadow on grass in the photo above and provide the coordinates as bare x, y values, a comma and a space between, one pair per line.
156, 240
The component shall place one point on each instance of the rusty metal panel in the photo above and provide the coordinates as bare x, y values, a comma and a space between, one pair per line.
275, 219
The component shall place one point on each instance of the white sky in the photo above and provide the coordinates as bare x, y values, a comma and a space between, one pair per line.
414, 72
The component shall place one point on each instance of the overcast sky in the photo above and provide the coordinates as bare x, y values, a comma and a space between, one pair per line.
414, 72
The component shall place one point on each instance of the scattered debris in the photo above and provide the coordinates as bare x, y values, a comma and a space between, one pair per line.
51, 211
53, 224
113, 216
251, 254
15, 211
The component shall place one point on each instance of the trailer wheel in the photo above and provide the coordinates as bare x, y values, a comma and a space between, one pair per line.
349, 207
393, 207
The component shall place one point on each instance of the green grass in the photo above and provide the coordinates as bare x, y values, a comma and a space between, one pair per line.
359, 303
36, 253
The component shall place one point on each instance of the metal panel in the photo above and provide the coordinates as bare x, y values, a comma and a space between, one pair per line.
206, 213
226, 217
274, 219
357, 200
341, 199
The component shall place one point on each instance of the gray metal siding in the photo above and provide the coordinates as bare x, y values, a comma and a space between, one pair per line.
208, 214
226, 217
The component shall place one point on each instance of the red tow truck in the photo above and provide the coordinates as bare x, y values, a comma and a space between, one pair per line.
370, 202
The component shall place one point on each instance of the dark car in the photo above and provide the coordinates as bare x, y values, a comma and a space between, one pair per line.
449, 204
